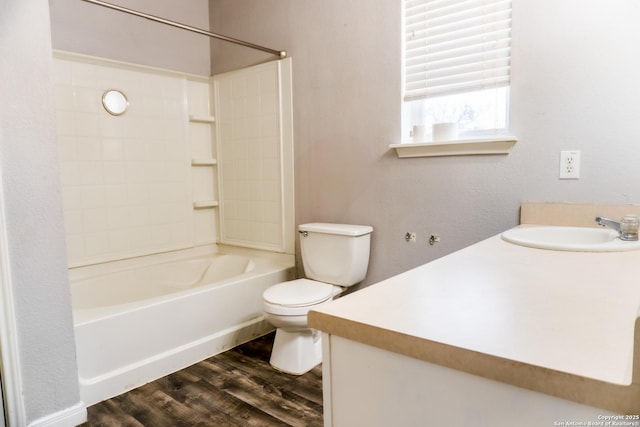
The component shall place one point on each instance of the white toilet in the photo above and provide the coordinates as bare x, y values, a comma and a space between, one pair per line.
334, 256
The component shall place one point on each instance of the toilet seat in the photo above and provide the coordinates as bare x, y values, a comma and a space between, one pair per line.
298, 293
297, 297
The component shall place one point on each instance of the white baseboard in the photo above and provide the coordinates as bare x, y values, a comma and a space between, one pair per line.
69, 417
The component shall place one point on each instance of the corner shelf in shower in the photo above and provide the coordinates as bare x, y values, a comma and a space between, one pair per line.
203, 162
206, 204
201, 118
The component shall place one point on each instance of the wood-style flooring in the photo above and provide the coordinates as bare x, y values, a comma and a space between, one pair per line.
235, 388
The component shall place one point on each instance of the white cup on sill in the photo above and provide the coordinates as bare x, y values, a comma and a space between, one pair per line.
445, 131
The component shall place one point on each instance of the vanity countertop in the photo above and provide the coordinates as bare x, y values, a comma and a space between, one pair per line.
562, 323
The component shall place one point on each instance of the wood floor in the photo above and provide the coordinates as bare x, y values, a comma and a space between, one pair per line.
235, 388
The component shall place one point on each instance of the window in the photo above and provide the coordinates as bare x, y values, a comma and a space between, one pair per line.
456, 67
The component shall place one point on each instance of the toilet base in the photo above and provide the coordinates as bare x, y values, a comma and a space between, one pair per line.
296, 352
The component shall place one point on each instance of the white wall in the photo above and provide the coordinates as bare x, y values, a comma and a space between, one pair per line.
253, 134
128, 186
33, 213
573, 87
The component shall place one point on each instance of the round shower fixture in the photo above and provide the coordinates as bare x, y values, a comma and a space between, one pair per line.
115, 102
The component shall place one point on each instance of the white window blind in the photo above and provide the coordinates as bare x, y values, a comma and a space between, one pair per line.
455, 46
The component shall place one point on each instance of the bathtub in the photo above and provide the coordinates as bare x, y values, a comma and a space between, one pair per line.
140, 319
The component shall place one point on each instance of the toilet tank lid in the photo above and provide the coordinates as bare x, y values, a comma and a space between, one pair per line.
342, 229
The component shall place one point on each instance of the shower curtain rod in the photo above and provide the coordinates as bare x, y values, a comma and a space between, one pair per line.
279, 53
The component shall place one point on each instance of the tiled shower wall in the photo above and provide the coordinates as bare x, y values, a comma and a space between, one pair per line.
128, 184
255, 143
248, 106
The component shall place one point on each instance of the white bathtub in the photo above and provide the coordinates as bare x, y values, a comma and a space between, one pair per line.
140, 319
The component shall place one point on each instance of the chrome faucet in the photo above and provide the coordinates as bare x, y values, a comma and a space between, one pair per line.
627, 228
606, 222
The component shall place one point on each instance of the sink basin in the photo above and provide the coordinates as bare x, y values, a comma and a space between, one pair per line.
578, 239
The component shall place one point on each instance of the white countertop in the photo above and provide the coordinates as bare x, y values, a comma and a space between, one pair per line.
570, 312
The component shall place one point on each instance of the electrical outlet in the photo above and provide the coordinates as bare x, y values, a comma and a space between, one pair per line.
570, 164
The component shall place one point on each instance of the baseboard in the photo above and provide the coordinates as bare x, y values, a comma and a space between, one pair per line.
68, 417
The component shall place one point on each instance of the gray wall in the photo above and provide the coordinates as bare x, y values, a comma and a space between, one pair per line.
33, 212
85, 28
346, 62
574, 86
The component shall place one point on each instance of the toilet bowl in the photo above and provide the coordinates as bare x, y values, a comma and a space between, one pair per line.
334, 256
296, 348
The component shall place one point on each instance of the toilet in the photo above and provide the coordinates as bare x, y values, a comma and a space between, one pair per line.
334, 256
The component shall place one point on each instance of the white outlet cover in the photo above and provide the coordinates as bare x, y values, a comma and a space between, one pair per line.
569, 164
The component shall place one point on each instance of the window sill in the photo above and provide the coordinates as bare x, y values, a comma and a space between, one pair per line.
463, 147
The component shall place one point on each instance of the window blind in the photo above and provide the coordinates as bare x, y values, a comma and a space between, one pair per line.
454, 46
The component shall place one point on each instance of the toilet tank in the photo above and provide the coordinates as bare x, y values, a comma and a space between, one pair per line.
335, 253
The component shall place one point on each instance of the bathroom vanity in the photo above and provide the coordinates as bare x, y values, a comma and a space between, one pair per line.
496, 334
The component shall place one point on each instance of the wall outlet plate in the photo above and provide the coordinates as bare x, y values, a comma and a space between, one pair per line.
570, 164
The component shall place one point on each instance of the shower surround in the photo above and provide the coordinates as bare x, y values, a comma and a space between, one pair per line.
164, 182
127, 184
